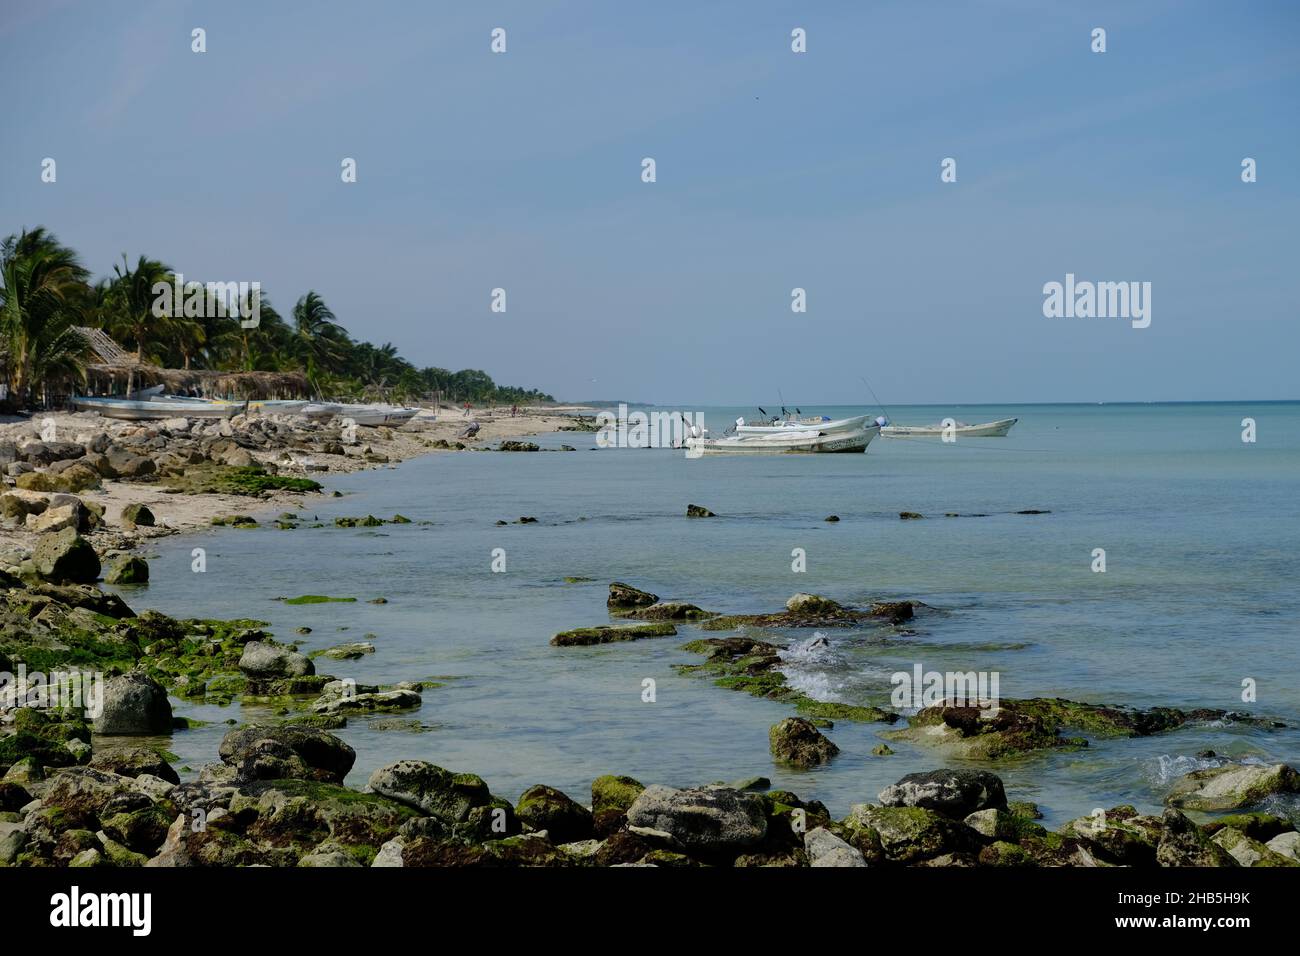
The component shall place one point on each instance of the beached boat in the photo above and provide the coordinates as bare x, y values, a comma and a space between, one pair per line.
393, 415
268, 406
133, 410
319, 411
786, 426
788, 441
996, 429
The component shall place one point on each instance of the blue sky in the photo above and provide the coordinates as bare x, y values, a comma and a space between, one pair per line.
775, 170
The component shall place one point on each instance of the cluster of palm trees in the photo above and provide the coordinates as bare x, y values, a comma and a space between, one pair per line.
47, 294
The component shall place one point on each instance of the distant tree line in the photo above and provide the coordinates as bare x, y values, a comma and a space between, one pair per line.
46, 293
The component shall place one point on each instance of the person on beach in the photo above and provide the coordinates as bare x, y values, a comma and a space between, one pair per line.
466, 409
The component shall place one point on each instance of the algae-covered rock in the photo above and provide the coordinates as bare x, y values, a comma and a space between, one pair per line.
611, 797
705, 819
133, 761
1120, 835
137, 515
546, 808
797, 742
699, 511
432, 790
127, 569
1249, 852
65, 556
1183, 843
954, 793
1232, 786
625, 596
264, 752
263, 660
609, 633
909, 834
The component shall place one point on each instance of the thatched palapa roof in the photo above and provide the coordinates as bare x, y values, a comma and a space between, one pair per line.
116, 365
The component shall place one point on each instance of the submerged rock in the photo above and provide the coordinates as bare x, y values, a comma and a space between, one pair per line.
797, 742
699, 511
608, 633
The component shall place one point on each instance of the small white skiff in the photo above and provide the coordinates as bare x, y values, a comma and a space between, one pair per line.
996, 429
789, 441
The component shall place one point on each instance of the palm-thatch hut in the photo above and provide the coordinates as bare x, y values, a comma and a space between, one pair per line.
117, 371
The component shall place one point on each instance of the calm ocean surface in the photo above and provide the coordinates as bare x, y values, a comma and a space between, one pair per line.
1202, 540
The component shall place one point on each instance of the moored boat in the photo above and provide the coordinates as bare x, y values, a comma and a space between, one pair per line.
788, 441
823, 425
997, 429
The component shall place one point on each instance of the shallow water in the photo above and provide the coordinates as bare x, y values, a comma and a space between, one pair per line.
1200, 532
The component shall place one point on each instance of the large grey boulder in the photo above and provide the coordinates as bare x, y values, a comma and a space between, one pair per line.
824, 848
262, 660
708, 819
430, 789
954, 793
65, 556
134, 704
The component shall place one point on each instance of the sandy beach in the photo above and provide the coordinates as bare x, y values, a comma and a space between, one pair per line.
177, 511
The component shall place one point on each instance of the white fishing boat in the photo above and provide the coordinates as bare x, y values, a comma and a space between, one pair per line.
996, 429
787, 441
392, 415
133, 410
267, 406
318, 411
786, 426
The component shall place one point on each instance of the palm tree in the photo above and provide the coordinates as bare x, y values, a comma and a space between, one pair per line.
321, 341
44, 290
129, 304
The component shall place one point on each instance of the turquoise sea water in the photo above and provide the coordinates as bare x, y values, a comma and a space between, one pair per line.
1202, 540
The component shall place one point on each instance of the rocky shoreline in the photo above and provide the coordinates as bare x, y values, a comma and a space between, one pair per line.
96, 474
276, 796
75, 791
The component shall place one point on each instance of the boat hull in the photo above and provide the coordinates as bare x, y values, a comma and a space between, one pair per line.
803, 443
856, 423
996, 429
151, 410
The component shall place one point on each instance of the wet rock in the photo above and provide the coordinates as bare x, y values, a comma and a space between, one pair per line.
831, 518
1248, 852
127, 569
908, 834
803, 603
546, 808
264, 661
625, 596
137, 515
349, 652
824, 848
134, 704
1233, 786
910, 515
954, 793
132, 762
699, 511
797, 742
706, 819
518, 446
65, 556
387, 700
611, 797
1286, 844
667, 611
283, 752
449, 797
609, 633
1183, 843
1120, 835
